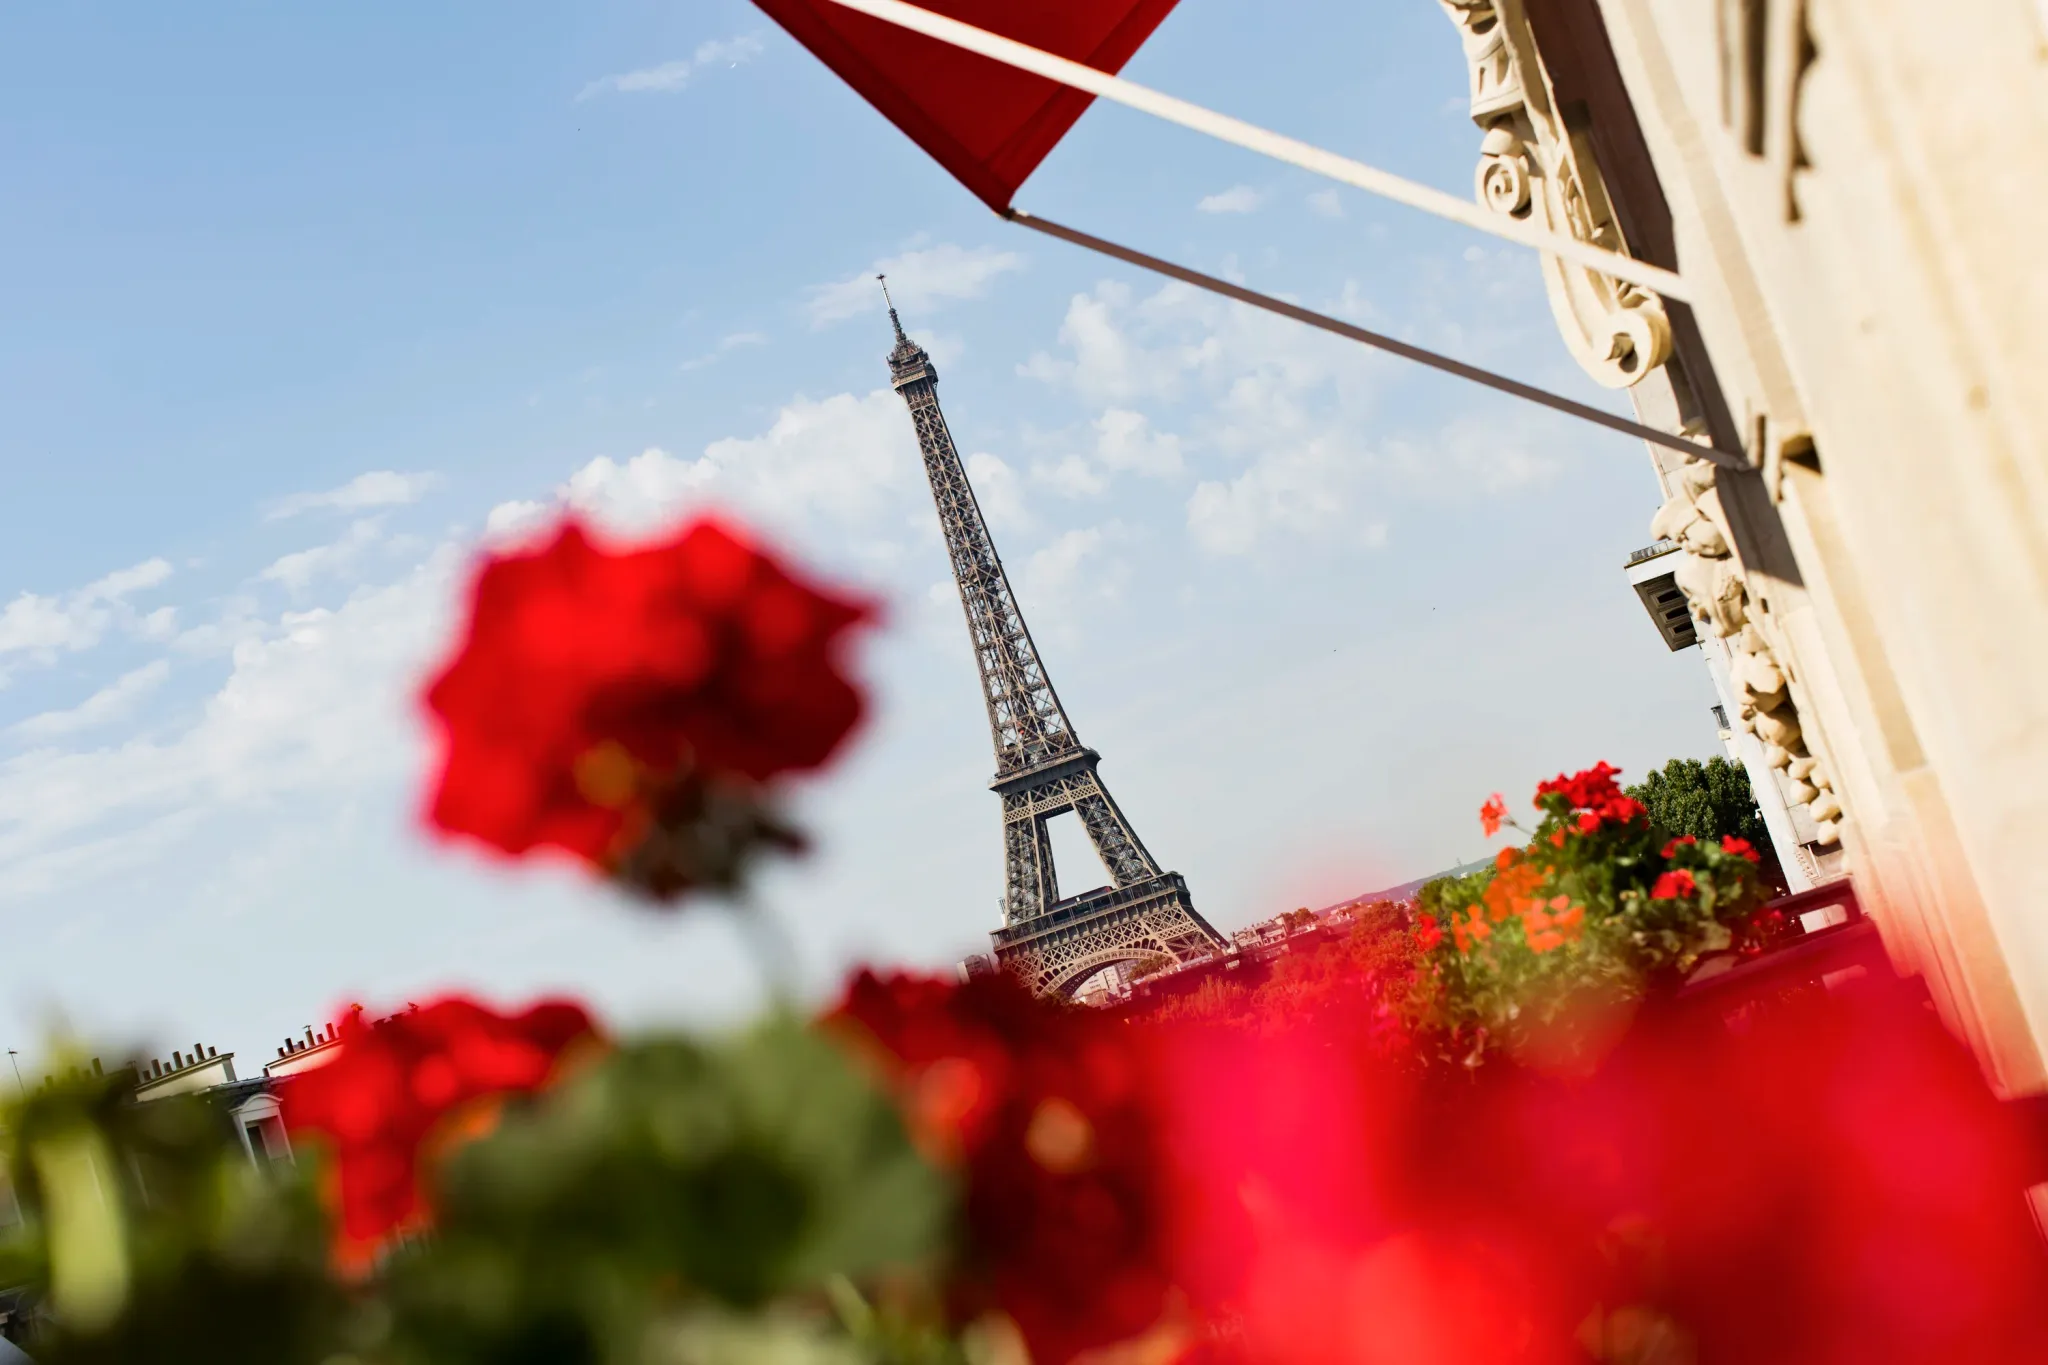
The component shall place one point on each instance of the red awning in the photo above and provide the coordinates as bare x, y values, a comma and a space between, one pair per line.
987, 123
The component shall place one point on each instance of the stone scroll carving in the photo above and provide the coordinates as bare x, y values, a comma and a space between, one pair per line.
1533, 166
1711, 579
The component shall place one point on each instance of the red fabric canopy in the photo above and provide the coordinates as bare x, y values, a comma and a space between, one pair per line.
987, 123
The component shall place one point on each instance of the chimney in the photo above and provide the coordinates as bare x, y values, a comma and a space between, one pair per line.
213, 1052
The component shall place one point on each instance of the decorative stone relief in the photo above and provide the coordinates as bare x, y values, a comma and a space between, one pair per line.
1532, 166
1712, 581
1535, 165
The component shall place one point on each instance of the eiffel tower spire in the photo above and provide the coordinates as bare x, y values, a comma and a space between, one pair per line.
1042, 768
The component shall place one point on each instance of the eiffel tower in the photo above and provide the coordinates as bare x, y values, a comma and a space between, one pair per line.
1054, 943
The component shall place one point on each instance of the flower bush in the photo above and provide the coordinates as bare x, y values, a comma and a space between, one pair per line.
1446, 1142
1547, 952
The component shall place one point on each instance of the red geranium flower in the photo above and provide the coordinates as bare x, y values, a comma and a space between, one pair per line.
1583, 789
1492, 813
1674, 885
1680, 842
623, 704
1428, 935
1741, 848
393, 1086
1594, 796
1045, 1107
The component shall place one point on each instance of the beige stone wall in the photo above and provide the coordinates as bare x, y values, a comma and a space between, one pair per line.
1856, 197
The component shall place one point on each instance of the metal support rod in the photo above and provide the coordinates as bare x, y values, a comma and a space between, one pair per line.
1252, 138
1529, 392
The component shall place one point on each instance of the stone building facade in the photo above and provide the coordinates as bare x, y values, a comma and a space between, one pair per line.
1846, 187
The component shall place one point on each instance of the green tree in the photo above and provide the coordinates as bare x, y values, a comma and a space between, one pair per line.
1710, 800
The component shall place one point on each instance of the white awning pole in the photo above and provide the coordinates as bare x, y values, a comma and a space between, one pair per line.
1295, 153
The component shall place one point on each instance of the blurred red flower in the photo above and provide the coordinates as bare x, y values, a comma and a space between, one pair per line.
1833, 1183
623, 704
1740, 847
396, 1084
1680, 842
1045, 1108
1674, 885
1492, 814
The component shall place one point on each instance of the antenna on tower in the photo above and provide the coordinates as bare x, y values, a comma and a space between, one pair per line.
894, 321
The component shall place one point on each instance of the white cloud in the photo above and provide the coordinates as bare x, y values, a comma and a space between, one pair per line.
670, 77
1236, 199
1326, 204
842, 460
1126, 440
920, 281
726, 344
296, 571
378, 488
41, 628
510, 520
115, 701
1073, 476
1286, 423
43, 625
1080, 566
161, 624
1304, 491
1055, 570
840, 475
1109, 363
235, 618
997, 491
313, 699
1492, 454
121, 583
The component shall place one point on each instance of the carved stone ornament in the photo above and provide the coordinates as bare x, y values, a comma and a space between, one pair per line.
1712, 582
1532, 166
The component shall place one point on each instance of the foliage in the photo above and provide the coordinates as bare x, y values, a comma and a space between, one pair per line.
669, 1191
1545, 953
673, 1187
1710, 800
147, 1230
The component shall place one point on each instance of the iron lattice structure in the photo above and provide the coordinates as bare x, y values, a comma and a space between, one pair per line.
1042, 768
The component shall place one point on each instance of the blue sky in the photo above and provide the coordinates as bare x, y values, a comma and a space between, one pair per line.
302, 302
